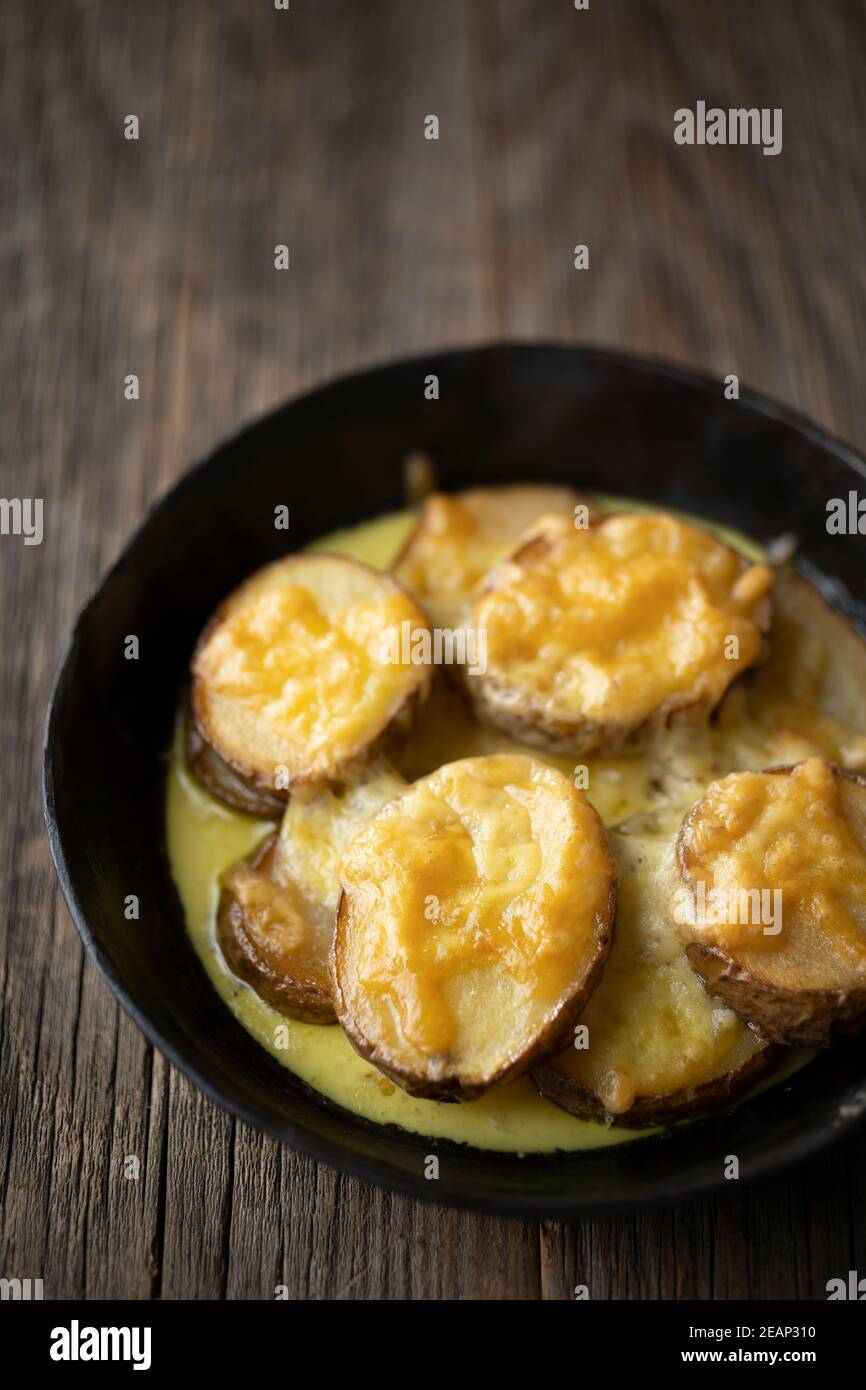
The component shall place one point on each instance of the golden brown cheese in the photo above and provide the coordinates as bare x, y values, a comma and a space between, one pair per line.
295, 673
475, 911
593, 633
797, 833
316, 829
458, 538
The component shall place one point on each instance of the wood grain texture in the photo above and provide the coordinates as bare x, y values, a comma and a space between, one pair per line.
156, 257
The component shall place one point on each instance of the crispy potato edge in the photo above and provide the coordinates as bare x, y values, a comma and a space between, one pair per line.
300, 999
650, 1111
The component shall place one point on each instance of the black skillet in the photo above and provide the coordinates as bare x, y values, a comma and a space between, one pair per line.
597, 420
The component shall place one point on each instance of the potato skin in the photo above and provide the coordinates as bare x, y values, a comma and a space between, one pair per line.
528, 722
436, 1084
803, 1017
223, 782
531, 723
795, 1017
649, 1111
259, 782
250, 959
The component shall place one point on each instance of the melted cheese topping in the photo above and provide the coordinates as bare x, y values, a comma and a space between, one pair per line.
651, 1027
754, 834
493, 864
629, 618
294, 671
458, 539
316, 829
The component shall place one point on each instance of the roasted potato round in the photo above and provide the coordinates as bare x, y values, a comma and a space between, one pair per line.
300, 676
459, 537
275, 921
594, 635
475, 917
656, 1048
774, 868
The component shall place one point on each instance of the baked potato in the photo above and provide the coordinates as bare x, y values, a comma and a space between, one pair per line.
597, 635
657, 1047
474, 920
773, 865
300, 678
275, 921
458, 537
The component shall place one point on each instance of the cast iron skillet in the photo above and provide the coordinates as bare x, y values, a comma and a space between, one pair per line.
597, 420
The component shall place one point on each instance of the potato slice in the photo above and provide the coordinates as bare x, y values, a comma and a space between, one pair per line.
276, 913
774, 866
222, 781
460, 536
658, 1048
271, 942
293, 682
595, 635
816, 662
475, 918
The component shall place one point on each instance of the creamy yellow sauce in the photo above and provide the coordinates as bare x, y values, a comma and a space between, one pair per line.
204, 837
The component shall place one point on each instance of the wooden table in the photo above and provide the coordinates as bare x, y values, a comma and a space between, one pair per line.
156, 257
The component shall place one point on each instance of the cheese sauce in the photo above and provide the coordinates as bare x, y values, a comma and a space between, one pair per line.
649, 791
